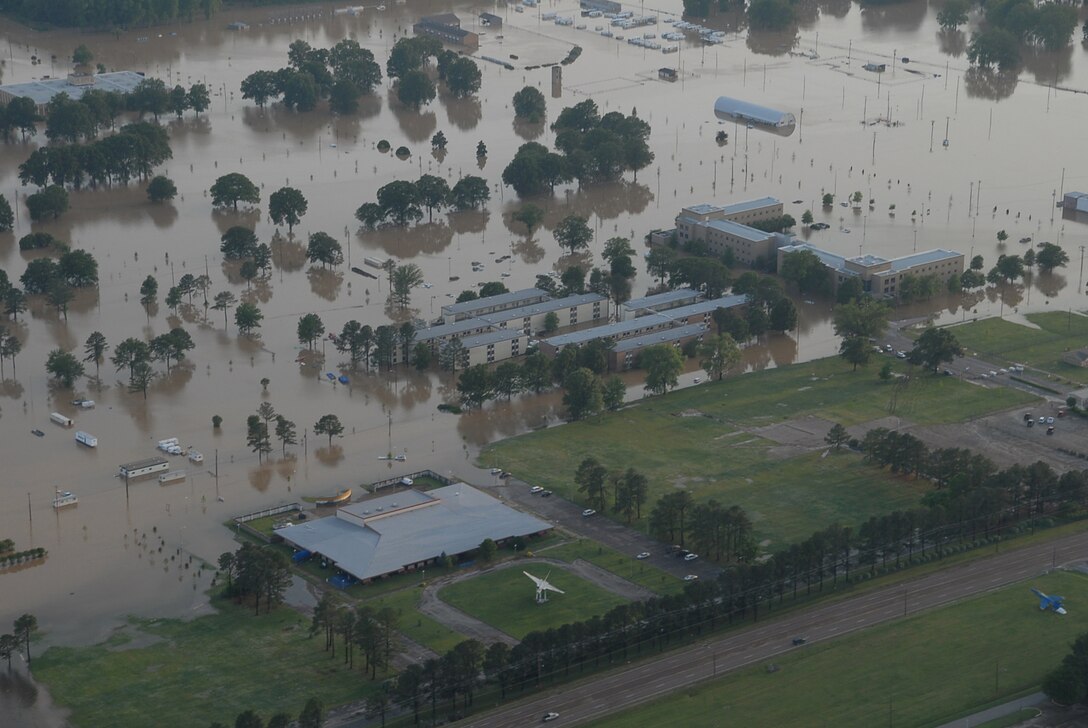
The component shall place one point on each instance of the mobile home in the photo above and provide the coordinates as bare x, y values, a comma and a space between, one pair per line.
140, 468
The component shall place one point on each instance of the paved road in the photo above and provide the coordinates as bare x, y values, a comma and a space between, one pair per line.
611, 533
621, 689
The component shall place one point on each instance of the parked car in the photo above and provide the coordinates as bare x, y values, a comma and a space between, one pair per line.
588, 512
1042, 420
799, 641
643, 555
536, 489
691, 577
1050, 420
1031, 423
546, 494
691, 557
1050, 430
548, 717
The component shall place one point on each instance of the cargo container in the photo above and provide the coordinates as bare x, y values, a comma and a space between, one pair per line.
86, 438
61, 420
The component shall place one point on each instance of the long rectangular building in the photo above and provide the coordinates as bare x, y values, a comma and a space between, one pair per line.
617, 331
492, 304
657, 302
624, 355
881, 276
571, 311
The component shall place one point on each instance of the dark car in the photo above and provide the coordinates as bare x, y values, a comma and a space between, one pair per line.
545, 494
797, 641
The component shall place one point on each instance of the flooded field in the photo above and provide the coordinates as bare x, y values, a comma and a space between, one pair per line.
1012, 148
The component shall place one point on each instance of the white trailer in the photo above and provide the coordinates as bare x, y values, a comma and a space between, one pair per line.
86, 438
172, 477
61, 420
140, 468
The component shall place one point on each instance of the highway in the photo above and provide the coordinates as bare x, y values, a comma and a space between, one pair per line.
581, 702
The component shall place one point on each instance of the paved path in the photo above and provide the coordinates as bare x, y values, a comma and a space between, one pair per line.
998, 711
594, 698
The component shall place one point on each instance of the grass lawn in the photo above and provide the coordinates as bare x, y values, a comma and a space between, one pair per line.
920, 672
505, 599
199, 671
1006, 342
625, 565
709, 455
415, 625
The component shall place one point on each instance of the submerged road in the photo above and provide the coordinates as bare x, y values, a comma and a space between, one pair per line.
624, 688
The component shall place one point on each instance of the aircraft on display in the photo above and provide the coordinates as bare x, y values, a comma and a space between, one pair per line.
1046, 602
542, 587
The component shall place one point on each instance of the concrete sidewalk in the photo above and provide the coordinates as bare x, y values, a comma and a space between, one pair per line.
998, 711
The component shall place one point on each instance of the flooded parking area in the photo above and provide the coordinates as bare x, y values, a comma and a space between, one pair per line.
1013, 145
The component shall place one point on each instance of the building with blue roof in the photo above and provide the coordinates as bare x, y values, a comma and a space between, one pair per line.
882, 276
409, 530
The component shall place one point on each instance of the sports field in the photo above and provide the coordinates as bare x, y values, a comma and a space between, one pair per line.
922, 671
505, 599
701, 439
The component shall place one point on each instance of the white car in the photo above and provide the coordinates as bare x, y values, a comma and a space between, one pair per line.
496, 471
588, 512
550, 716
1050, 420
691, 577
691, 557
536, 489
643, 555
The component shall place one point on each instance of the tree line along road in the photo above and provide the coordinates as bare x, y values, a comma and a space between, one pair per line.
594, 698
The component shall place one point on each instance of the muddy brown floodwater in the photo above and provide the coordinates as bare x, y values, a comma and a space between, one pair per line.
1013, 139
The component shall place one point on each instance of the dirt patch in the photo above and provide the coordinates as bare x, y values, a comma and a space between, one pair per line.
802, 432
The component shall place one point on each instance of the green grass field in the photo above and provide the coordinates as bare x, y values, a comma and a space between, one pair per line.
1005, 342
922, 671
416, 625
625, 565
505, 599
208, 669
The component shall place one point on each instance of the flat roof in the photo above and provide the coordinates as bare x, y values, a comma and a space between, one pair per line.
660, 299
666, 336
145, 463
747, 110
702, 307
453, 328
739, 230
479, 304
868, 260
535, 309
747, 205
458, 518
441, 19
42, 92
617, 329
831, 260
926, 256
491, 337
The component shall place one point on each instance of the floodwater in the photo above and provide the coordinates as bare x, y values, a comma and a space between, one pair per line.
1010, 143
